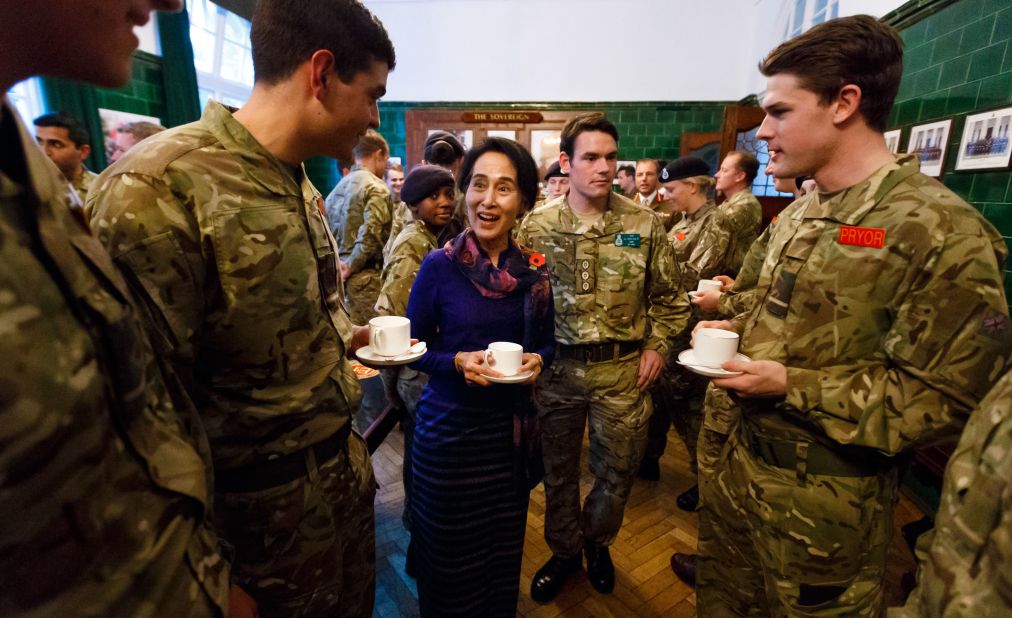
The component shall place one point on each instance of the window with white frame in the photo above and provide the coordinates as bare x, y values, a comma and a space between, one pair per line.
803, 14
221, 53
26, 97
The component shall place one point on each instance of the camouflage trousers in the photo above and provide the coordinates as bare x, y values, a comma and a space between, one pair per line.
720, 417
568, 395
307, 548
362, 290
780, 542
678, 400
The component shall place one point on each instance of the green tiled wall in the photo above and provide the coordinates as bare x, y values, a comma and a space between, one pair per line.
143, 94
959, 61
645, 129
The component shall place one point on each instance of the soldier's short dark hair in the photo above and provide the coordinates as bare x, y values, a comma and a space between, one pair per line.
527, 169
747, 163
628, 169
286, 33
75, 128
857, 50
369, 144
582, 123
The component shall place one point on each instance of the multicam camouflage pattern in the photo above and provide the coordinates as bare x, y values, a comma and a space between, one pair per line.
83, 183
885, 348
240, 273
104, 472
568, 394
775, 545
308, 548
360, 214
606, 288
966, 562
736, 228
401, 219
720, 416
409, 249
686, 236
742, 295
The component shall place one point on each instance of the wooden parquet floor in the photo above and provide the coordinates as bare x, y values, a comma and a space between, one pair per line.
653, 529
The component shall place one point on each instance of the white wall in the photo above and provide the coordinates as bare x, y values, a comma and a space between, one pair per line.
148, 35
568, 50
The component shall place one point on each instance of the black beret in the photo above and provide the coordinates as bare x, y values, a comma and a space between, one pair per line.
685, 167
423, 181
555, 171
447, 138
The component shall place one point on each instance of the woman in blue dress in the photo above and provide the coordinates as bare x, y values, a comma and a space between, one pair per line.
472, 477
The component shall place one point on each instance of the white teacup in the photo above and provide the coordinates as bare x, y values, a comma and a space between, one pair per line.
389, 335
708, 284
508, 357
713, 347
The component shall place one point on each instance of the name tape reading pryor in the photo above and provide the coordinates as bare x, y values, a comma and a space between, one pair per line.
862, 236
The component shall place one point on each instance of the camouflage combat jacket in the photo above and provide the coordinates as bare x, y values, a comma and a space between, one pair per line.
240, 271
686, 236
83, 184
885, 303
104, 469
401, 219
617, 281
966, 559
735, 228
360, 213
409, 249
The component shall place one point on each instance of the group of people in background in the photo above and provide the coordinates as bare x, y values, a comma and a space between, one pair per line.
177, 393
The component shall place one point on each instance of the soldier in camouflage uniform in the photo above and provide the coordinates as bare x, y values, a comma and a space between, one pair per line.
104, 470
618, 304
678, 394
229, 243
394, 179
429, 191
881, 323
966, 561
360, 212
739, 216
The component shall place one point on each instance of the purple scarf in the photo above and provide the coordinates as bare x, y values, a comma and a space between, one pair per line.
523, 269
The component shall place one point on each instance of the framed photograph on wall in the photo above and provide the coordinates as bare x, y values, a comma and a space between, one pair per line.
929, 142
893, 140
985, 143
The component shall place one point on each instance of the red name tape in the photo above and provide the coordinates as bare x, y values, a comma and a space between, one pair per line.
863, 236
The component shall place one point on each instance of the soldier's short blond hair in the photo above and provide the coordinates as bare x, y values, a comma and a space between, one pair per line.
705, 183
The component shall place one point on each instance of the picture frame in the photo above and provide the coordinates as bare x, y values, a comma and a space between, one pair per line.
893, 140
929, 141
112, 121
985, 142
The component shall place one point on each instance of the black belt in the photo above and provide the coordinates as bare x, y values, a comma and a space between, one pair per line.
284, 469
599, 352
817, 459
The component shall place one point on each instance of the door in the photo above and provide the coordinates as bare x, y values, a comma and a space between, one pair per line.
738, 132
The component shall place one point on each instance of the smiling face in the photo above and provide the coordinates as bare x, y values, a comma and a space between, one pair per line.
353, 109
395, 180
592, 167
436, 209
493, 199
798, 128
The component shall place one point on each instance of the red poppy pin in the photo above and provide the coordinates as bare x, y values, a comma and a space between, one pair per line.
680, 235
537, 260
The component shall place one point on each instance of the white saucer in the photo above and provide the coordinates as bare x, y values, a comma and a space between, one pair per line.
367, 356
520, 377
687, 358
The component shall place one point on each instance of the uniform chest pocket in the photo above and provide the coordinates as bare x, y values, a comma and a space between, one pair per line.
259, 247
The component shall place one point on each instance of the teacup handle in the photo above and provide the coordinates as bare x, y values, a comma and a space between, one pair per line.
485, 355
376, 338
